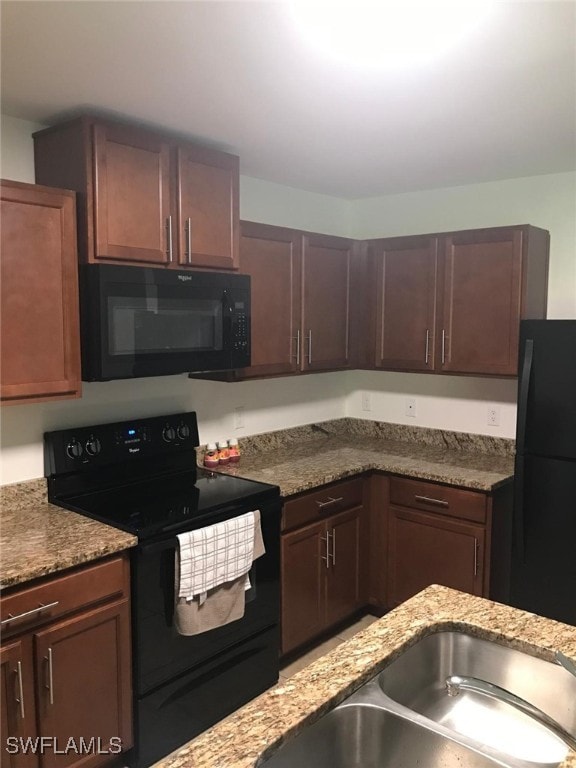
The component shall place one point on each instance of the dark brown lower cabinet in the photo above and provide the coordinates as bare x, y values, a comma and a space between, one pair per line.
324, 568
66, 673
427, 549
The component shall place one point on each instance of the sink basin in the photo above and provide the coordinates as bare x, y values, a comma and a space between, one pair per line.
404, 717
363, 736
417, 681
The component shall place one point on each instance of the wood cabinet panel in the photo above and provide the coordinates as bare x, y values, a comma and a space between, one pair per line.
407, 278
131, 195
18, 709
303, 587
272, 256
439, 499
344, 593
325, 565
83, 665
208, 186
326, 302
482, 301
75, 671
40, 346
145, 197
313, 506
425, 549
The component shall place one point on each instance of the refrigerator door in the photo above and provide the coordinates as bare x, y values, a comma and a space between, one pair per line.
543, 577
547, 389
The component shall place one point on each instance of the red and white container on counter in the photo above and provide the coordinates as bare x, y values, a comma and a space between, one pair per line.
233, 451
211, 456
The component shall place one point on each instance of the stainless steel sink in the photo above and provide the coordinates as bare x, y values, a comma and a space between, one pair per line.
405, 718
363, 736
417, 681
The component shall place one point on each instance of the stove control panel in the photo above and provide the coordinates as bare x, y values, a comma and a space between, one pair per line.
82, 448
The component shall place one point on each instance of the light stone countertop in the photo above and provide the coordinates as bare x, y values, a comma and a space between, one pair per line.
39, 539
261, 726
302, 458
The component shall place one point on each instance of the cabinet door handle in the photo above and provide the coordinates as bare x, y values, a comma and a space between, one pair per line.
428, 500
443, 346
326, 557
333, 546
476, 545
50, 685
310, 347
169, 239
427, 344
297, 339
329, 502
20, 689
27, 614
188, 229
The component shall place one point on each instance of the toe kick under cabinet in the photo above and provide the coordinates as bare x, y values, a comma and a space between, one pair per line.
66, 669
324, 572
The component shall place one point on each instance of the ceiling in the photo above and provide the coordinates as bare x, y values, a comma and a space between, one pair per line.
238, 76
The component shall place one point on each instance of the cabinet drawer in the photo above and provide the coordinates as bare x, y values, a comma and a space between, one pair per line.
318, 504
61, 595
432, 497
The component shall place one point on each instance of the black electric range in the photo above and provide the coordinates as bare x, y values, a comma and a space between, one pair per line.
141, 476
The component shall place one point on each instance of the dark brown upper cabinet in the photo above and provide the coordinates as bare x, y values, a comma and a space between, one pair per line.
144, 197
40, 337
272, 256
452, 302
303, 290
406, 284
326, 290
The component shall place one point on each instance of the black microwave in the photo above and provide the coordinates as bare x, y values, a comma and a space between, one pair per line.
142, 321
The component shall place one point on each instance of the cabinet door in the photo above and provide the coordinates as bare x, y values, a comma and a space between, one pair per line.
406, 303
132, 196
40, 345
272, 257
84, 689
482, 301
304, 563
425, 549
208, 218
18, 712
326, 302
344, 582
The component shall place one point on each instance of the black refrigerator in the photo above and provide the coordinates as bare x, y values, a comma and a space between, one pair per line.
543, 564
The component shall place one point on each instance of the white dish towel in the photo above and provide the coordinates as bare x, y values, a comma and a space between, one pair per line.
214, 555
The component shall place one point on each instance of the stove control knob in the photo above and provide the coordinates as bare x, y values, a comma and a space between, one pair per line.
169, 434
183, 431
93, 446
74, 449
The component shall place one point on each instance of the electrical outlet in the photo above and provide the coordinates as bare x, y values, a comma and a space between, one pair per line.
411, 407
239, 417
366, 401
493, 419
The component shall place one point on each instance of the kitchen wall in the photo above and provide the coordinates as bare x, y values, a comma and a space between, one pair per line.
450, 402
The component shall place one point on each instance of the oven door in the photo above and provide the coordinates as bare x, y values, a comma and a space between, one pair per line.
160, 653
139, 321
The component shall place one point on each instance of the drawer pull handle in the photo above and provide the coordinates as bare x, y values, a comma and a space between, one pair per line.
329, 502
20, 690
333, 546
27, 614
475, 557
297, 338
50, 685
188, 232
428, 500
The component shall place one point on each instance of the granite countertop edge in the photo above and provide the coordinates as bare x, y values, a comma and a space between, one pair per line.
254, 732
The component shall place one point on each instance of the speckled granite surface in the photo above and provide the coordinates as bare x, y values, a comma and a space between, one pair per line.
305, 457
263, 724
38, 538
